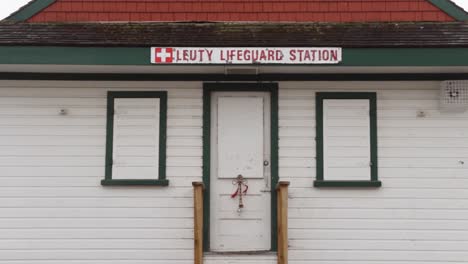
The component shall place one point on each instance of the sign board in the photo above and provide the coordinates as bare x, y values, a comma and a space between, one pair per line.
179, 55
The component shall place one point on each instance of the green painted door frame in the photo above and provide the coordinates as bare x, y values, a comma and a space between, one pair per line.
208, 89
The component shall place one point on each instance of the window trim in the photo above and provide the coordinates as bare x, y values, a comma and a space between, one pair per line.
111, 96
372, 97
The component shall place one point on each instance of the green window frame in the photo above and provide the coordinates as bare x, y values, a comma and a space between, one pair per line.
320, 181
161, 180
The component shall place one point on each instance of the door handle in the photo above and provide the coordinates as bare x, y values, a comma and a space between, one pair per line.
265, 191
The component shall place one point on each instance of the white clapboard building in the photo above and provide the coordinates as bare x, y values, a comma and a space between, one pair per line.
234, 132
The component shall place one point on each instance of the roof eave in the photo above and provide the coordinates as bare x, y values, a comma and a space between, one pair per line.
29, 10
451, 9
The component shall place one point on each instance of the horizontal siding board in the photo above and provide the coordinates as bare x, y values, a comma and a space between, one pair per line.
454, 179
263, 261
52, 131
381, 203
425, 173
412, 192
53, 151
100, 261
96, 212
184, 202
446, 246
98, 222
376, 224
148, 192
435, 132
93, 233
36, 111
357, 213
94, 261
97, 172
97, 254
419, 235
80, 181
102, 244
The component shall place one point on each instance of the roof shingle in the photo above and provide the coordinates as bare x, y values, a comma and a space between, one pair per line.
241, 10
356, 35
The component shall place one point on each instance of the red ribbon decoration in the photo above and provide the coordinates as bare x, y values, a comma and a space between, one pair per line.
237, 191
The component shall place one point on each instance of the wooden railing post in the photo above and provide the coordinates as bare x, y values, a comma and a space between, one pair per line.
198, 189
282, 191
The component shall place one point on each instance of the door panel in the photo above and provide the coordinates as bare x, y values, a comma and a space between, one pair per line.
240, 145
240, 133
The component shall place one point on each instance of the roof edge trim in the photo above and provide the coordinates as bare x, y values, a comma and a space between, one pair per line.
404, 57
451, 9
29, 10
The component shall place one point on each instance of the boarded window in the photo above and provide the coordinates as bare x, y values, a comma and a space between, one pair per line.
346, 139
136, 135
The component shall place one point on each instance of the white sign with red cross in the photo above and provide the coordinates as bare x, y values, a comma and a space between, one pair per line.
162, 55
180, 55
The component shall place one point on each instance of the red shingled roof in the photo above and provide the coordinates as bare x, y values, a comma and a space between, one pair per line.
241, 10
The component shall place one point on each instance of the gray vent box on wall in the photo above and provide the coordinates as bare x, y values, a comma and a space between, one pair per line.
454, 96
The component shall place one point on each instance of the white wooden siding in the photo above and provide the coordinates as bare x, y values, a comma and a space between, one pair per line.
52, 206
420, 214
54, 210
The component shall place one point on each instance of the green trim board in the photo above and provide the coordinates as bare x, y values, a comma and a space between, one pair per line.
223, 77
111, 96
29, 10
347, 184
53, 55
451, 9
372, 97
208, 89
135, 182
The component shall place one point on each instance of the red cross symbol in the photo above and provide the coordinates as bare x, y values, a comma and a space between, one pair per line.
164, 55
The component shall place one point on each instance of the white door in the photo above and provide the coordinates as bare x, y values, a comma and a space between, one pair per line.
240, 145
